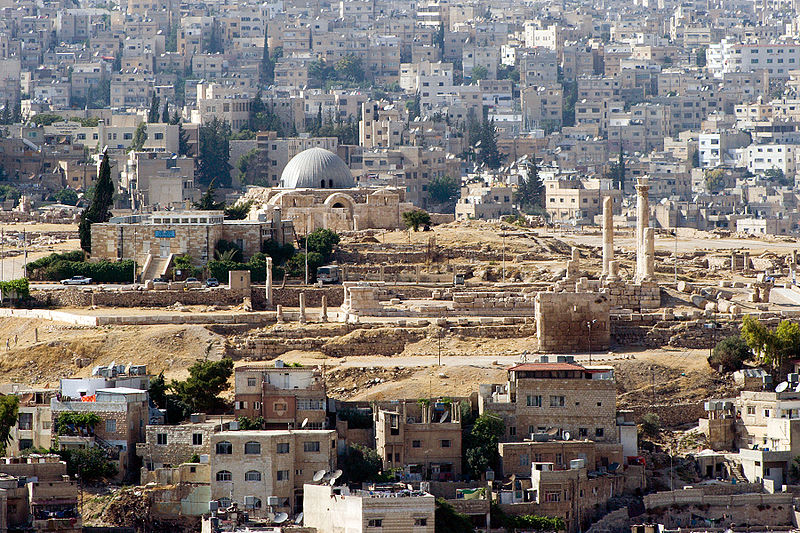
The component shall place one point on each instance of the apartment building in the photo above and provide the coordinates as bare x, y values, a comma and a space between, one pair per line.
284, 396
170, 446
381, 125
257, 469
579, 200
423, 438
554, 398
481, 202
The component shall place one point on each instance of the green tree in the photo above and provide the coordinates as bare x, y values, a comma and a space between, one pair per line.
91, 464
239, 210
165, 113
414, 108
139, 138
776, 175
361, 464
152, 115
183, 140
9, 411
350, 68
322, 242
714, 180
530, 191
480, 446
416, 218
99, 210
66, 196
479, 72
207, 379
158, 391
46, 119
730, 354
207, 202
444, 189
448, 520
263, 118
618, 171
570, 91
489, 154
772, 347
696, 159
701, 57
250, 424
651, 424
266, 71
214, 153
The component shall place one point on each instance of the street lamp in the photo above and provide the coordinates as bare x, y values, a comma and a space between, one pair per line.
589, 325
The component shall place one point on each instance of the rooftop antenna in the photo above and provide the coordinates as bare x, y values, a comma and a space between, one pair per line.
318, 475
280, 518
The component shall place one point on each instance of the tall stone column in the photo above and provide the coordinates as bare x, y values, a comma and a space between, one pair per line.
642, 222
649, 253
323, 316
608, 234
269, 282
302, 307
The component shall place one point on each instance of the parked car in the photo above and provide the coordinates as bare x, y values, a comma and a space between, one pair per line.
191, 280
160, 280
212, 282
76, 280
328, 274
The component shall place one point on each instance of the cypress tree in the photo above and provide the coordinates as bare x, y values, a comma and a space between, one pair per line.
165, 113
99, 210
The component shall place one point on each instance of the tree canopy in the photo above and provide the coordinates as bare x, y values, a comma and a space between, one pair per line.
480, 446
207, 379
214, 153
99, 210
444, 189
416, 218
530, 190
772, 347
9, 411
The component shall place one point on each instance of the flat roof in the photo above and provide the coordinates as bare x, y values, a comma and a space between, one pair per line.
546, 367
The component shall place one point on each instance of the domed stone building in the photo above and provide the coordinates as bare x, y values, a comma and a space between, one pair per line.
317, 190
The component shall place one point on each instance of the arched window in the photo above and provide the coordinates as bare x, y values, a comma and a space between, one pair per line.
252, 475
322, 183
224, 448
252, 448
330, 184
224, 475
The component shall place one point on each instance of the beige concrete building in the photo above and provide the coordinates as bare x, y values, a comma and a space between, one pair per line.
480, 202
518, 456
337, 509
34, 421
257, 469
578, 200
421, 437
170, 446
555, 398
283, 396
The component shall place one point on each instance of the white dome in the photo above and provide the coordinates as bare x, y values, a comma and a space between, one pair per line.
317, 168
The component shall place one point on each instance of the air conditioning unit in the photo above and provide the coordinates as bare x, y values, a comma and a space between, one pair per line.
213, 506
233, 425
249, 502
273, 501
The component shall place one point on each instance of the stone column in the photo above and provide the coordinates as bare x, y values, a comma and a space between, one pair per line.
608, 233
383, 273
642, 222
269, 282
323, 316
279, 313
613, 270
302, 307
649, 253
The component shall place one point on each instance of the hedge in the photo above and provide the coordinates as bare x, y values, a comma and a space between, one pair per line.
101, 271
75, 255
19, 288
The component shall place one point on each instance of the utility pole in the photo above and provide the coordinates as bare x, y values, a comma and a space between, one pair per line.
676, 255
589, 324
504, 256
24, 254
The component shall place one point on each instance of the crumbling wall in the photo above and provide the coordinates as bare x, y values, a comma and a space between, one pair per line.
572, 322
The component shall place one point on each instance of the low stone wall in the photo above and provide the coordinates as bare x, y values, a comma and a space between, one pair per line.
652, 331
614, 522
680, 507
671, 415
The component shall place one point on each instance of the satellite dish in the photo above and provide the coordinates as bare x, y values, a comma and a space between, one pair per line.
304, 423
280, 518
336, 474
332, 482
318, 475
299, 519
567, 436
327, 476
782, 386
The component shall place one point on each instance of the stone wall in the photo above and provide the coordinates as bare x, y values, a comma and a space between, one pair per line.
679, 508
653, 331
670, 415
562, 322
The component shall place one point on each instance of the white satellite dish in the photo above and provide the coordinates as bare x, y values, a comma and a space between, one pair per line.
336, 474
567, 436
332, 482
782, 386
318, 475
299, 519
304, 423
280, 518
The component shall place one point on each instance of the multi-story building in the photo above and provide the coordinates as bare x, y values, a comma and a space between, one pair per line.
286, 397
423, 438
170, 446
333, 509
257, 469
481, 202
573, 199
381, 125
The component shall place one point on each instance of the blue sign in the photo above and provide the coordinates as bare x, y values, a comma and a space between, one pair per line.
165, 234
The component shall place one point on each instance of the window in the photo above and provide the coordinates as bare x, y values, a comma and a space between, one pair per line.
416, 444
224, 448
197, 439
161, 438
224, 502
445, 443
111, 426
311, 446
25, 421
283, 447
557, 401
224, 475
598, 432
420, 521
751, 410
533, 401
583, 432
283, 475
251, 382
252, 448
252, 475
375, 522
512, 431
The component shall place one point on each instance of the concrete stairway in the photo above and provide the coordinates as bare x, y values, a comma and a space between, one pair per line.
156, 267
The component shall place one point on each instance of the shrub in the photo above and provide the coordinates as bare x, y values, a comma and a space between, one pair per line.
651, 424
100, 271
91, 463
730, 354
16, 288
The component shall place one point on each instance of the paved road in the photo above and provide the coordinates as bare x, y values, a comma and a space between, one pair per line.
499, 361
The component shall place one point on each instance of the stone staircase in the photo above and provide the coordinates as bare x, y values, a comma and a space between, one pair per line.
738, 474
156, 267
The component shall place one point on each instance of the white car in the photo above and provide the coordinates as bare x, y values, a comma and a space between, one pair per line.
76, 280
